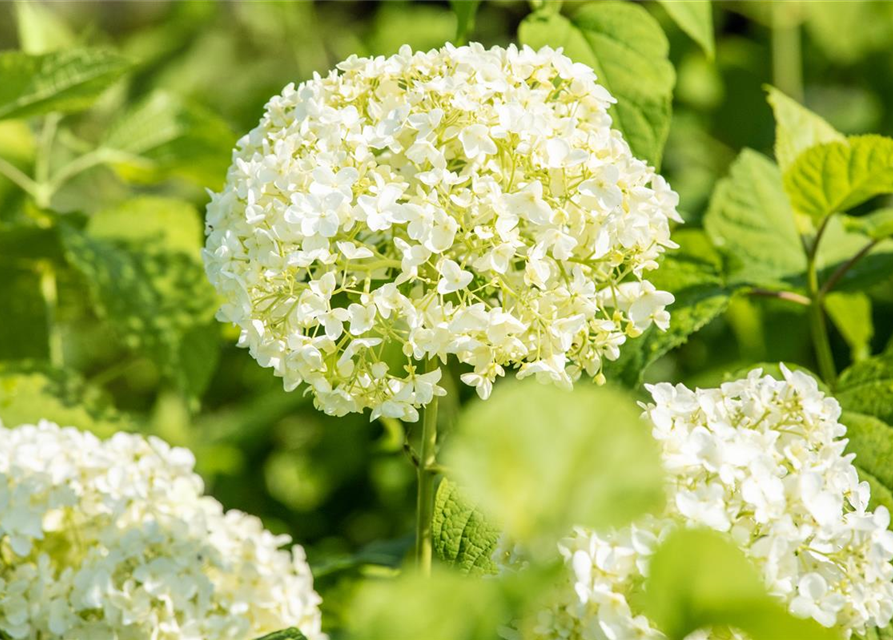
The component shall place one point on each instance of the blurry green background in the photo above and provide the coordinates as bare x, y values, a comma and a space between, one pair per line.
344, 487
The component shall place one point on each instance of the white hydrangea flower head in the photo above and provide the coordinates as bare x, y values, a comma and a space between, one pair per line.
114, 540
762, 460
465, 201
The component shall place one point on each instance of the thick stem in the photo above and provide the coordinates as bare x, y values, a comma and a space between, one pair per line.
50, 298
787, 63
427, 472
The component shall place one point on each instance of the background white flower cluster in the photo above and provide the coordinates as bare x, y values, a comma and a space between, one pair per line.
465, 201
763, 460
113, 540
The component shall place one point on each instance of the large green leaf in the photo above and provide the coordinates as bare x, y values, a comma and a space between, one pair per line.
867, 387
30, 392
797, 128
68, 80
628, 51
24, 333
141, 263
836, 176
462, 536
749, 219
872, 442
529, 443
699, 579
851, 314
877, 225
694, 17
164, 134
701, 295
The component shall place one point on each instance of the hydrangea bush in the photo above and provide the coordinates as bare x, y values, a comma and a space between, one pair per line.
114, 540
465, 201
763, 461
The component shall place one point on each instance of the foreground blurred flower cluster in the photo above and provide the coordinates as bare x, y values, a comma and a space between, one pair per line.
464, 201
761, 459
107, 540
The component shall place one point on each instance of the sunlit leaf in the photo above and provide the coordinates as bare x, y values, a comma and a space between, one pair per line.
164, 134
68, 80
749, 219
40, 29
699, 579
694, 17
462, 536
30, 392
628, 50
141, 263
538, 459
877, 225
837, 176
797, 128
851, 314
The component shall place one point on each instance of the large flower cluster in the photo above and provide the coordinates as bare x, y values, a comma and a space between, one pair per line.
763, 460
464, 201
114, 541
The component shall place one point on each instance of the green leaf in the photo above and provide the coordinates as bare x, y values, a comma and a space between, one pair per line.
465, 11
867, 387
30, 392
872, 442
880, 494
462, 536
285, 634
694, 17
701, 296
515, 452
40, 29
750, 221
25, 330
628, 50
69, 80
443, 606
699, 579
877, 225
797, 128
165, 135
836, 176
142, 265
851, 314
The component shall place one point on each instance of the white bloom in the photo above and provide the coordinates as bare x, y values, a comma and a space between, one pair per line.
115, 540
761, 459
366, 203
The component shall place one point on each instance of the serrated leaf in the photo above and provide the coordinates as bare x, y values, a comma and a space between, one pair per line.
628, 50
701, 296
285, 634
867, 387
465, 11
462, 536
528, 443
141, 263
699, 579
750, 221
164, 134
797, 128
851, 314
30, 392
68, 80
872, 442
877, 225
836, 176
694, 17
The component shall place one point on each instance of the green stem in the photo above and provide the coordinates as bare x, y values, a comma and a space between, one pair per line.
427, 472
818, 325
51, 300
47, 135
787, 64
21, 180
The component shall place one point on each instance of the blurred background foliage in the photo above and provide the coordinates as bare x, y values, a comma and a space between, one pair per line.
117, 299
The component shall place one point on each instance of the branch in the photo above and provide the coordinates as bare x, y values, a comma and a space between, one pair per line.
846, 266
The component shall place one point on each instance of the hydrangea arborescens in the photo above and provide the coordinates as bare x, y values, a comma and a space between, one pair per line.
113, 540
465, 201
763, 460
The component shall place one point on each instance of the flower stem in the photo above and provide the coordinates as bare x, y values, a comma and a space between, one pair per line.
817, 323
427, 472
